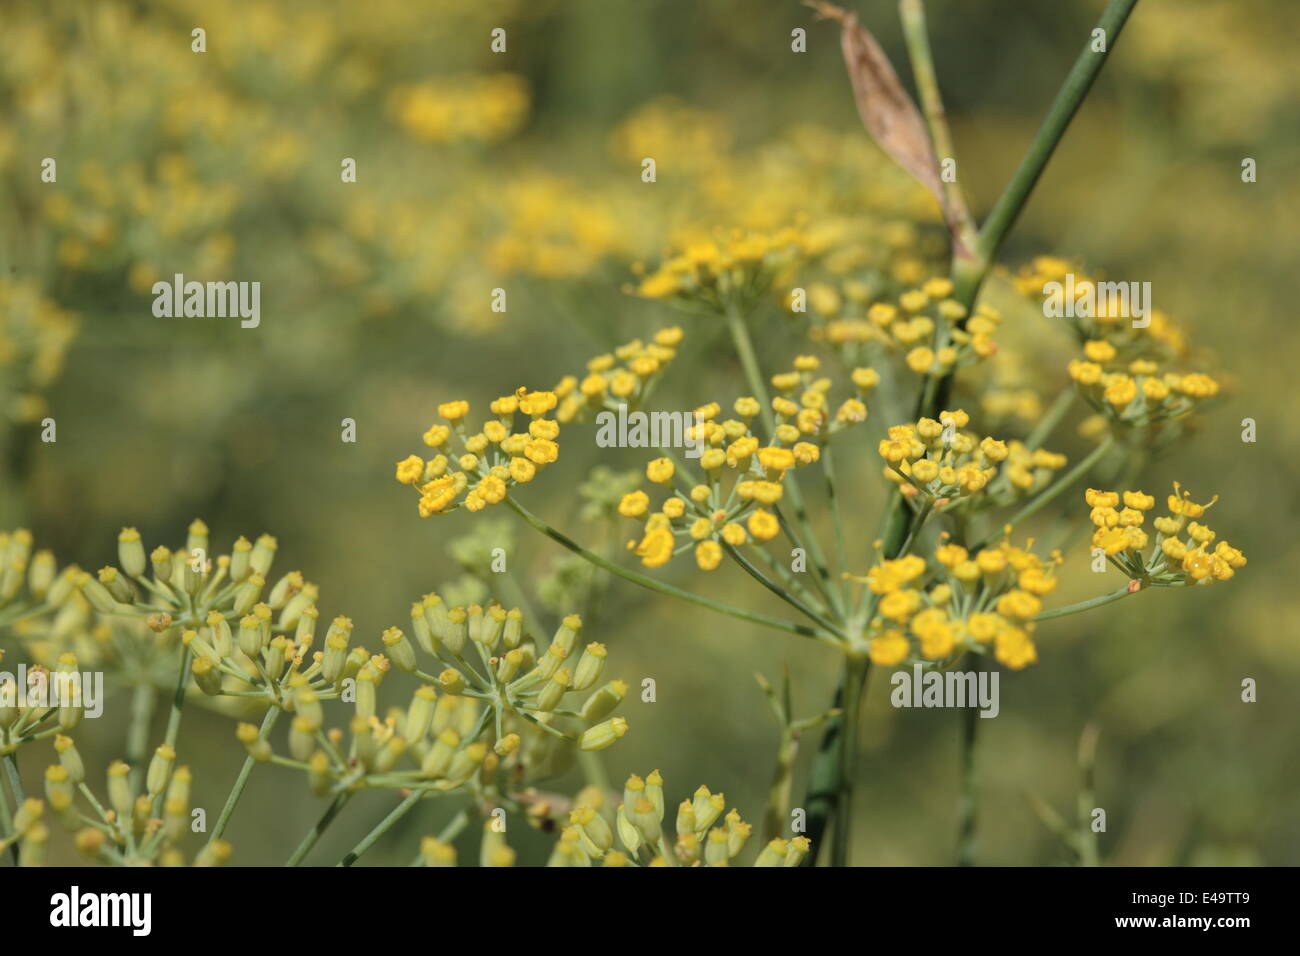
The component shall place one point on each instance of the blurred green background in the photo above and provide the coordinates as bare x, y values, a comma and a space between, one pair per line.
521, 170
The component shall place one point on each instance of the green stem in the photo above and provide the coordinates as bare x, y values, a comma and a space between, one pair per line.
454, 827
916, 525
1055, 489
322, 824
1071, 95
754, 376
137, 734
970, 720
16, 785
823, 787
1047, 424
828, 467
917, 37
15, 781
856, 669
174, 716
1088, 839
660, 587
780, 592
777, 811
383, 827
788, 580
1085, 605
241, 781
593, 771
968, 274
7, 818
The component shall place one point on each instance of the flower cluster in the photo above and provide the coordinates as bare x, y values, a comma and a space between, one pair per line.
507, 711
704, 836
134, 616
937, 464
1093, 315
931, 329
476, 107
51, 703
710, 514
624, 377
139, 826
731, 270
982, 602
492, 460
1181, 551
34, 337
1136, 392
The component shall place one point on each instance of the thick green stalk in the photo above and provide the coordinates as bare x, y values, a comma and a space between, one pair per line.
970, 720
137, 735
824, 785
1071, 95
1088, 839
917, 37
6, 815
968, 274
855, 674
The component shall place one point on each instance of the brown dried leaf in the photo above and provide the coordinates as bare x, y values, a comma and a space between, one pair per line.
886, 110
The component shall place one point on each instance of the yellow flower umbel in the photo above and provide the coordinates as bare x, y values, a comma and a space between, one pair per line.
492, 708
983, 602
466, 108
702, 834
728, 269
734, 502
926, 327
1161, 340
937, 464
1182, 552
481, 467
1136, 392
627, 376
134, 826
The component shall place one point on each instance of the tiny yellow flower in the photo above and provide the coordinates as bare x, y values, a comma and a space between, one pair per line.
410, 469
734, 534
656, 548
660, 471
889, 649
708, 555
634, 504
1014, 649
763, 525
920, 359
